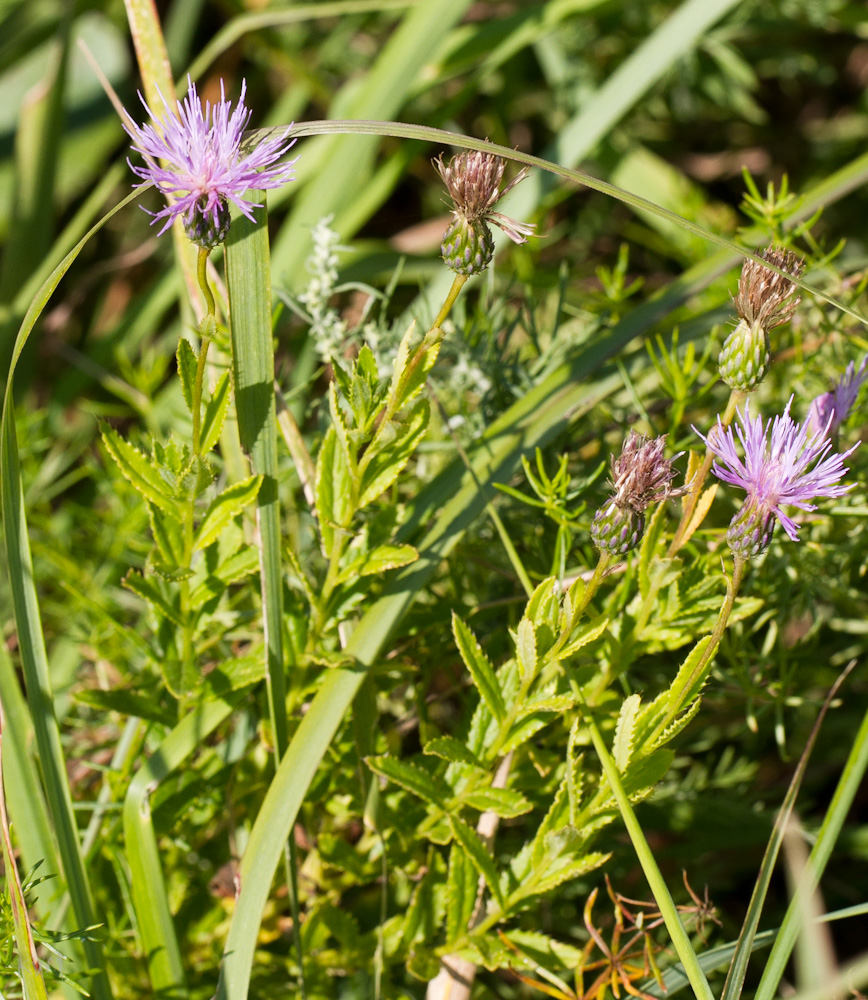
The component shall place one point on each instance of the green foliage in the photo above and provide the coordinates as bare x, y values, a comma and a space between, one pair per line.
188, 608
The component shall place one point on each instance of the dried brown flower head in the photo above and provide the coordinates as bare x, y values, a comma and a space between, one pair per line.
473, 182
765, 298
641, 475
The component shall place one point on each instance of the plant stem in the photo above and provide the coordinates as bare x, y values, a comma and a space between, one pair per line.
692, 498
206, 331
457, 285
702, 668
662, 896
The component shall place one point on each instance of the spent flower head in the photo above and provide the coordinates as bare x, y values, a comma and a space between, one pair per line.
203, 166
473, 182
765, 299
640, 476
829, 410
783, 465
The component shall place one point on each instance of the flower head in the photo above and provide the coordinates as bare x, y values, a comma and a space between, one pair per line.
788, 467
765, 297
832, 408
204, 166
640, 476
473, 182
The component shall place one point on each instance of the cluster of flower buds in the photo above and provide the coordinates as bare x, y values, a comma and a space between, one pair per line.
640, 476
765, 300
473, 182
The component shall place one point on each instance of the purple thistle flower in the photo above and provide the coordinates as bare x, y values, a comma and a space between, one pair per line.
832, 408
205, 169
774, 472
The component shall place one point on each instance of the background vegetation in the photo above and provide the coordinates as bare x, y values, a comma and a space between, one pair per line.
620, 313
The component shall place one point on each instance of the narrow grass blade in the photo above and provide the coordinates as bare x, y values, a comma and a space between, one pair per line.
36, 155
401, 130
31, 642
248, 281
334, 171
851, 779
150, 899
27, 808
28, 961
680, 940
245, 24
738, 970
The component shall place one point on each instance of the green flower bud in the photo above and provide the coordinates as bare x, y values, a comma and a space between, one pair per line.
744, 359
205, 230
750, 531
616, 530
467, 247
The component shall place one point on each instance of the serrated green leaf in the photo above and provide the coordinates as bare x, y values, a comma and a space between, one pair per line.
525, 648
462, 889
379, 560
389, 461
140, 471
478, 854
411, 370
480, 668
566, 872
223, 508
625, 731
524, 729
448, 748
555, 703
587, 634
332, 490
214, 414
167, 534
411, 778
236, 673
546, 951
187, 365
505, 802
148, 589
643, 774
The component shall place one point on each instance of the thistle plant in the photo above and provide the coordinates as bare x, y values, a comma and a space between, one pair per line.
830, 409
640, 476
195, 158
784, 464
257, 694
765, 300
473, 181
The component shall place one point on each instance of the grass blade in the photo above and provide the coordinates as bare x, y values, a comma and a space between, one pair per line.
337, 169
31, 641
150, 899
24, 798
854, 771
248, 271
738, 970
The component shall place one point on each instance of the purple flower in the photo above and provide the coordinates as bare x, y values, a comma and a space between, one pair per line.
205, 168
774, 472
830, 410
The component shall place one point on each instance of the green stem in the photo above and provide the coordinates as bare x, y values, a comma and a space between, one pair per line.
692, 498
457, 285
703, 667
660, 890
206, 331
